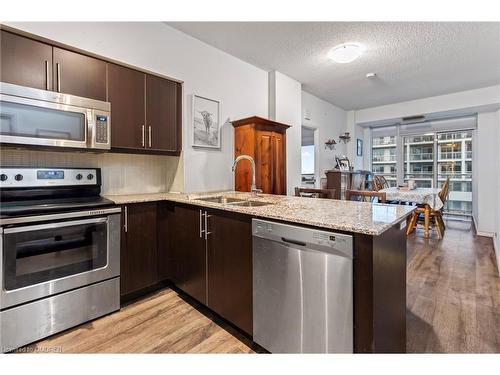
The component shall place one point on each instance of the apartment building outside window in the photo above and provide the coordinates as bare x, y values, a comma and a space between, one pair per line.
428, 157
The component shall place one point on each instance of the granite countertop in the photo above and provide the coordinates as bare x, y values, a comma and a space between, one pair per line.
357, 217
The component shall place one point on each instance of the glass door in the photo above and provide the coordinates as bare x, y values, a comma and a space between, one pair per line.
418, 158
46, 252
37, 122
454, 162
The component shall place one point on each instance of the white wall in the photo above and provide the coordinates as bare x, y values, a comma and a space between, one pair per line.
330, 122
205, 70
486, 176
285, 106
497, 248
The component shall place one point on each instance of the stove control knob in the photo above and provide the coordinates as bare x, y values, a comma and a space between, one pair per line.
18, 177
3, 177
90, 176
79, 176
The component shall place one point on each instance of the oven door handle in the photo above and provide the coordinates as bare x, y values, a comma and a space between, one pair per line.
62, 224
60, 216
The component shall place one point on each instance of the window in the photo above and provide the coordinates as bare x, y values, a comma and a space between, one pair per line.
384, 141
428, 155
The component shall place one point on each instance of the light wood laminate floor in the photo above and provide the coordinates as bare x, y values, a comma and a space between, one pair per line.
453, 306
453, 293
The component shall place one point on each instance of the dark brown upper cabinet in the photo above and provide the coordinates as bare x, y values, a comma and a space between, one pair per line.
25, 62
161, 113
80, 75
126, 95
145, 111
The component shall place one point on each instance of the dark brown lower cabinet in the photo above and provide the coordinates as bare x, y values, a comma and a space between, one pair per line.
211, 260
230, 267
138, 266
189, 254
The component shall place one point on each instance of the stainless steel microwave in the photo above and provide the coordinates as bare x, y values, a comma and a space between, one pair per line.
36, 117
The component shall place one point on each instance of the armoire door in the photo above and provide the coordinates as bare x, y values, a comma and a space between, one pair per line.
279, 167
264, 161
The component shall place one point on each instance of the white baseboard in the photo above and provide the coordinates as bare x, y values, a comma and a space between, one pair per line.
481, 233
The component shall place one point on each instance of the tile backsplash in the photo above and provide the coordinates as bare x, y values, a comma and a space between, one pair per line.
121, 173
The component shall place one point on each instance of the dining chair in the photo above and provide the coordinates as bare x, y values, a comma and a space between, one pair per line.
379, 182
314, 193
435, 216
365, 196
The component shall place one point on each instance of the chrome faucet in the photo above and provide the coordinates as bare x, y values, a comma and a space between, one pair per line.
253, 188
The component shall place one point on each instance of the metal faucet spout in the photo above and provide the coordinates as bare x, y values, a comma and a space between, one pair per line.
253, 188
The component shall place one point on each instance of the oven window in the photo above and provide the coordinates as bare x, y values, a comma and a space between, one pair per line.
22, 120
40, 255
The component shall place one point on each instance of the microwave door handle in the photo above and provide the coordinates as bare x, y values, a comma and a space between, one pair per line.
63, 224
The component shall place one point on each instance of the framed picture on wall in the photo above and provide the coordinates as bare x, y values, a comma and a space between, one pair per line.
206, 125
359, 147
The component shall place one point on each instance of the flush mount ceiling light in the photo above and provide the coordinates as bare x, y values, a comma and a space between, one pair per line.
346, 52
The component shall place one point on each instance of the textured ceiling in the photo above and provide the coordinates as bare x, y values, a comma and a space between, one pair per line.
412, 59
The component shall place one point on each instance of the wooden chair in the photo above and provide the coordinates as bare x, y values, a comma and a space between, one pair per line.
363, 195
379, 183
314, 193
435, 217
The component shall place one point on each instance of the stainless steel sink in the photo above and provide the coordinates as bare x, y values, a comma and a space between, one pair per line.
251, 204
233, 201
221, 199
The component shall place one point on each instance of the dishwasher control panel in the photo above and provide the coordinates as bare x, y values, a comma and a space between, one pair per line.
314, 239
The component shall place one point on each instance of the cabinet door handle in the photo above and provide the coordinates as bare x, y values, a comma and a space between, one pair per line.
125, 220
201, 224
143, 142
206, 225
149, 131
47, 83
58, 68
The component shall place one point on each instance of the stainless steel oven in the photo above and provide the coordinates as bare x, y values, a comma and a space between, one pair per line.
59, 252
48, 254
31, 116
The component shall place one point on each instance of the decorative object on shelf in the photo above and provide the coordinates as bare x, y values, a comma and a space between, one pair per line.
330, 144
346, 137
206, 126
343, 163
359, 147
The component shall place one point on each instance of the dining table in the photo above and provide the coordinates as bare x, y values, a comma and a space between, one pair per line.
427, 197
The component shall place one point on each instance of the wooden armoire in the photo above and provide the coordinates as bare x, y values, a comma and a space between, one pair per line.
265, 141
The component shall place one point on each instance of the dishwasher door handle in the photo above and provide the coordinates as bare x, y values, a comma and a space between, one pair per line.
287, 240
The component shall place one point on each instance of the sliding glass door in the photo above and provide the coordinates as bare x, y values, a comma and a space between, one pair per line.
422, 153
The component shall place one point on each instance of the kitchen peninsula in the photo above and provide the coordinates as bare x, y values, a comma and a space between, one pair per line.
204, 246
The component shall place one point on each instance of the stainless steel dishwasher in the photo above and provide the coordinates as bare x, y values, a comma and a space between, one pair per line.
302, 289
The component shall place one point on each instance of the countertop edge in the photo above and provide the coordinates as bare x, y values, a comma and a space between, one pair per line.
181, 198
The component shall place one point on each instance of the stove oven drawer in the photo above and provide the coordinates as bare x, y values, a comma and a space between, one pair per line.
33, 321
41, 260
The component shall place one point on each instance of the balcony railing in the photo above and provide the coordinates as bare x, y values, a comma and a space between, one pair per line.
379, 159
384, 142
451, 155
422, 156
454, 136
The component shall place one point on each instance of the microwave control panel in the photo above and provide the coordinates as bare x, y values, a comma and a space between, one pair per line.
101, 129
